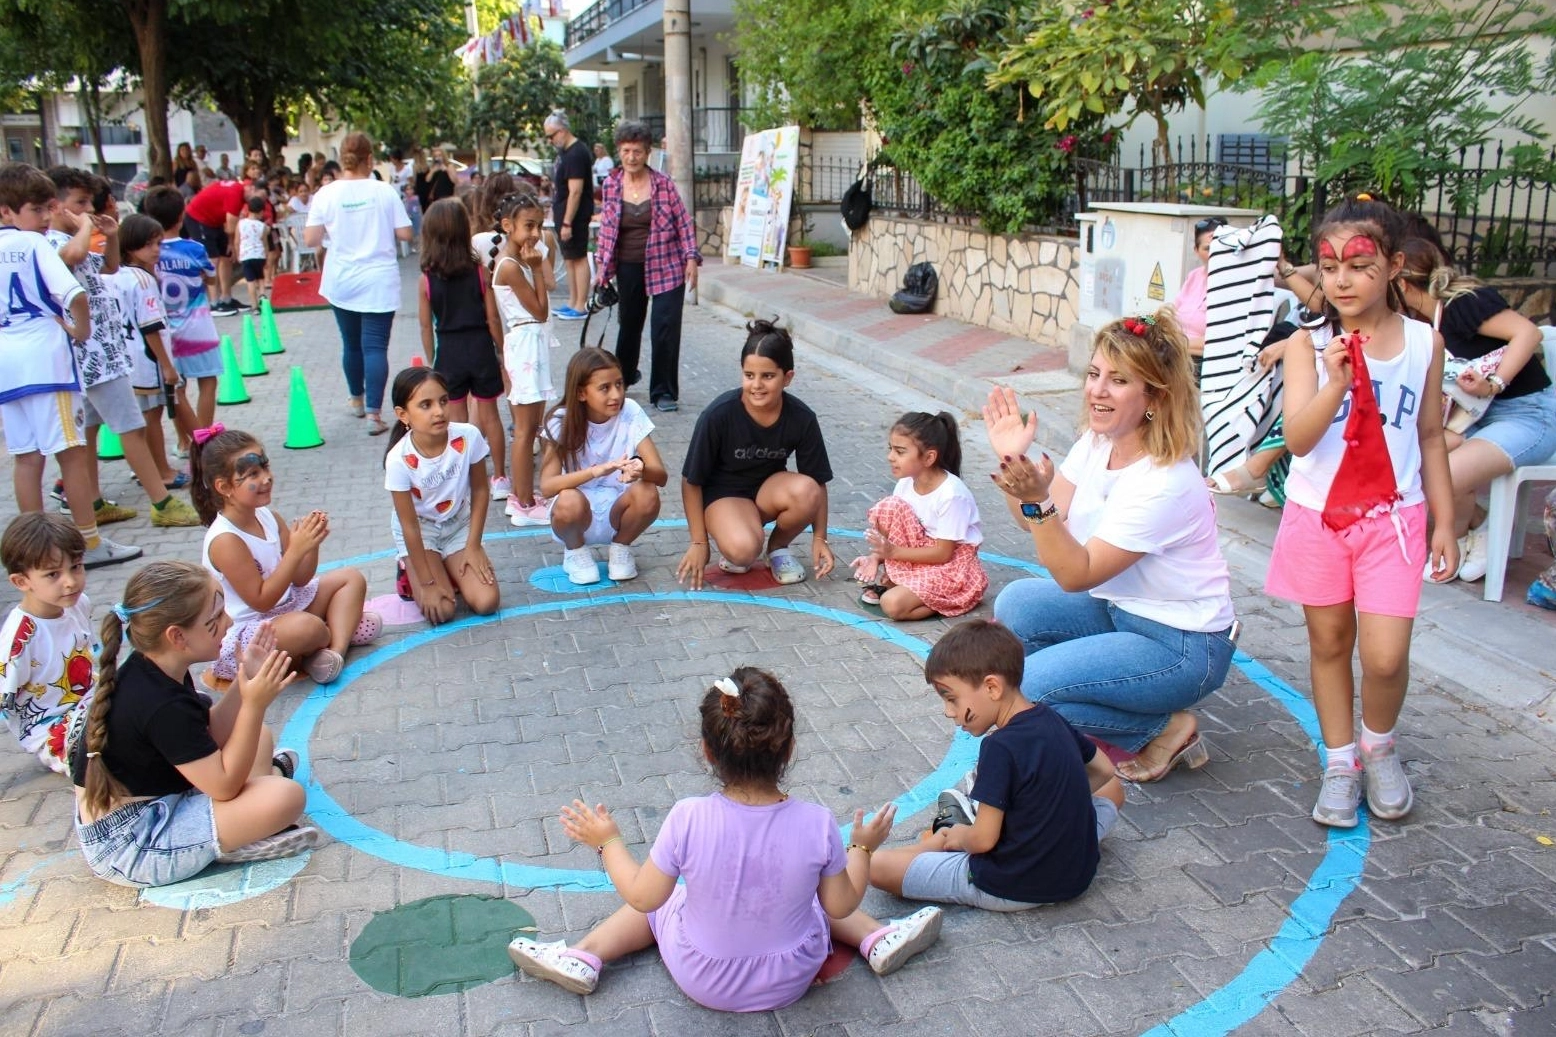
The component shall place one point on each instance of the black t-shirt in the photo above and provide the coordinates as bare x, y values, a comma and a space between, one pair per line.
1034, 769
731, 456
1461, 321
439, 186
573, 162
154, 724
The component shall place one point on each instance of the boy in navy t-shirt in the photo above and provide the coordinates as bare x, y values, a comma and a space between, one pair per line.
1045, 795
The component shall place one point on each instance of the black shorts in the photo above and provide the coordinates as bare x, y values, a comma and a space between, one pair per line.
215, 240
468, 363
577, 245
253, 270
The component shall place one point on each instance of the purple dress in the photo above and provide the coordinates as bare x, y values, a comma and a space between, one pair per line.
745, 931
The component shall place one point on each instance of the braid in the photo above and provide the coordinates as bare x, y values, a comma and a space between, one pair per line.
102, 788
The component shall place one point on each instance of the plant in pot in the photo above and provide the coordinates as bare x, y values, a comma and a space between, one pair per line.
800, 249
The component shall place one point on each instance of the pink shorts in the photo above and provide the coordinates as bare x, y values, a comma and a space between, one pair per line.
1312, 564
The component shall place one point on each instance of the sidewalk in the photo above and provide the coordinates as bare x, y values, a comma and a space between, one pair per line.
1503, 651
438, 763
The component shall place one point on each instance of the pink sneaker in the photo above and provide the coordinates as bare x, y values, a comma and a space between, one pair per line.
536, 514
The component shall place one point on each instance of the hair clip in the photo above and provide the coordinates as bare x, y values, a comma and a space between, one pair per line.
93, 756
1139, 325
727, 687
1364, 197
201, 436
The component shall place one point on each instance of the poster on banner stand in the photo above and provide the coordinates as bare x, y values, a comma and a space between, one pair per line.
764, 194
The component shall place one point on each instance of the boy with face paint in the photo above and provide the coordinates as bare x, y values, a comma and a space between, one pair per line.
1045, 796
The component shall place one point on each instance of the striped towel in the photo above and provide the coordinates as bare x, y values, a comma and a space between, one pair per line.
1239, 400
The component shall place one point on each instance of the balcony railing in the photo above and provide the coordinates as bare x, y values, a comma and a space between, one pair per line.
713, 129
599, 15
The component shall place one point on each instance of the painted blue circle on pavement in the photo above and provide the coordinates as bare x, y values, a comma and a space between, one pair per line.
1225, 1009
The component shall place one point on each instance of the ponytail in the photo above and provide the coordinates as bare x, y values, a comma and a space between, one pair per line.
935, 432
101, 787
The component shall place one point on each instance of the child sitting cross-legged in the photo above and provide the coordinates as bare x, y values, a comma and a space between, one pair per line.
1044, 795
767, 883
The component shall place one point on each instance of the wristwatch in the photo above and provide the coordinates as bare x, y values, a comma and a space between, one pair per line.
1037, 514
1498, 386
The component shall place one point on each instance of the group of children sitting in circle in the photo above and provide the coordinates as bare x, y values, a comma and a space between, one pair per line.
168, 782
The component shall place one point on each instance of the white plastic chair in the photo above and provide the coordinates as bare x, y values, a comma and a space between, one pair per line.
1507, 520
294, 230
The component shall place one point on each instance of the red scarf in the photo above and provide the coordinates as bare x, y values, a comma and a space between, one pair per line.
1364, 482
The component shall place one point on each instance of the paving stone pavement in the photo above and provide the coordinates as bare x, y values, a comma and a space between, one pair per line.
459, 748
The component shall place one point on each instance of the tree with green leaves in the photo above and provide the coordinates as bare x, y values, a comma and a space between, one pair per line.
1143, 57
812, 62
1428, 78
526, 86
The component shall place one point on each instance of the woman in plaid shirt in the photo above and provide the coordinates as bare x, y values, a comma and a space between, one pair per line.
649, 245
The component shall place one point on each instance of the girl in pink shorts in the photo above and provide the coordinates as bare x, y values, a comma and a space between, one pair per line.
1363, 421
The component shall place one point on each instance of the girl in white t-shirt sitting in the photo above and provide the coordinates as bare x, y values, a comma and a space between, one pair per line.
435, 471
266, 567
600, 468
1135, 624
926, 534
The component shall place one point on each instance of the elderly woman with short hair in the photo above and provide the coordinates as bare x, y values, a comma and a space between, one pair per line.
649, 245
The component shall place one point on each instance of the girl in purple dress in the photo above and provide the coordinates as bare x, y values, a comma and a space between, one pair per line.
768, 882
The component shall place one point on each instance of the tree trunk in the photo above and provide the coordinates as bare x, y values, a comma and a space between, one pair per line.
94, 115
275, 138
148, 19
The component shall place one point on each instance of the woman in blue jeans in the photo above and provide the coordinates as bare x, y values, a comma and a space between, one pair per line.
364, 218
1135, 624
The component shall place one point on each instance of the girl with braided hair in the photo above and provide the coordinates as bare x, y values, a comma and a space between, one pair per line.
768, 883
167, 783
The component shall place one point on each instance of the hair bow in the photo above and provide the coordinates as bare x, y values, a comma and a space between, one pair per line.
201, 436
1139, 325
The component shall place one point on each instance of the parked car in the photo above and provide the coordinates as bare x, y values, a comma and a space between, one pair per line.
134, 192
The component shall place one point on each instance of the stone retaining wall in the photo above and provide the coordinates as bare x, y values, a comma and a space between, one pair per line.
712, 231
1021, 284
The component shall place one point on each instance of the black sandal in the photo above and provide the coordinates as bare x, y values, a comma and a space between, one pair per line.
871, 594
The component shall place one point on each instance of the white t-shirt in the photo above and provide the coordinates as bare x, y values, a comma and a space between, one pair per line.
948, 512
360, 218
439, 486
35, 353
251, 239
602, 169
140, 300
1166, 514
297, 205
50, 669
266, 551
1399, 385
607, 441
103, 355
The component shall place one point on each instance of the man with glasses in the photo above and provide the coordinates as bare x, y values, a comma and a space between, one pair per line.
572, 207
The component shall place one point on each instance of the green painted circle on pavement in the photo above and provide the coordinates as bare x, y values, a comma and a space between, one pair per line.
440, 945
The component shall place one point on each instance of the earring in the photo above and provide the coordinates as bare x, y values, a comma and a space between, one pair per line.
1150, 415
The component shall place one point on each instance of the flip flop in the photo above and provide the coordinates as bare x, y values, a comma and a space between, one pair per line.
1235, 482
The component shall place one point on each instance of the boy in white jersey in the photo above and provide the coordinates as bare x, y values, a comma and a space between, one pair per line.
40, 396
103, 358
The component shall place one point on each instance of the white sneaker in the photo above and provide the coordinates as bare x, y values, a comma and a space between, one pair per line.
551, 961
502, 486
904, 938
580, 566
622, 565
535, 514
1472, 556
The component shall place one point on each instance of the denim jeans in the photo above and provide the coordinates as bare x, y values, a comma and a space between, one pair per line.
364, 353
1108, 672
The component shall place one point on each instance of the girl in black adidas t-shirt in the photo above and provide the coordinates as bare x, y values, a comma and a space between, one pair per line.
736, 478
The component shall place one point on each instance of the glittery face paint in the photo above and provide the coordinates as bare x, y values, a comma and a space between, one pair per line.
1326, 250
1359, 247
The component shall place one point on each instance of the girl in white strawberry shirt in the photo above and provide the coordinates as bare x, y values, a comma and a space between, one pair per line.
435, 471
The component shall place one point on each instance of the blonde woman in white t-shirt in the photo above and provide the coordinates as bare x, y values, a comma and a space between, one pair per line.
1135, 624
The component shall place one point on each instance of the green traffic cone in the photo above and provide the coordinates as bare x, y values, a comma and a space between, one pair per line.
302, 428
251, 364
269, 335
229, 388
108, 447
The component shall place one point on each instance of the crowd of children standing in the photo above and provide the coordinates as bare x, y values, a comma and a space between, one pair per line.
107, 323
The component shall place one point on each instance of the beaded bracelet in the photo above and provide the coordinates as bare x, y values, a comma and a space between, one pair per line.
860, 846
600, 849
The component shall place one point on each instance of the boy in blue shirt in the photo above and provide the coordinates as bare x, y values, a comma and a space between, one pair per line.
186, 274
40, 393
1045, 795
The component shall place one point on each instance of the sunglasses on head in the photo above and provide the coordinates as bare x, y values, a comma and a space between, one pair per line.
1209, 223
